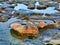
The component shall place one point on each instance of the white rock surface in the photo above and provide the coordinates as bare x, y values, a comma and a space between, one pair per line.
49, 10
37, 3
20, 6
55, 42
59, 5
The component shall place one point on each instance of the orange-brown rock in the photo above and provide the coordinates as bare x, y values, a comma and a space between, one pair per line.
58, 23
23, 30
32, 30
48, 26
41, 25
26, 18
16, 26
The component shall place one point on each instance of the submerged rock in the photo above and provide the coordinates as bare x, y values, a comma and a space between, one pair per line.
55, 40
48, 33
25, 12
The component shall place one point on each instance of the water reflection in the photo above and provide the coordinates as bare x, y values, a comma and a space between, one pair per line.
21, 37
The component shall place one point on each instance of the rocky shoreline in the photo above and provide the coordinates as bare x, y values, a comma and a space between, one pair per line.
45, 17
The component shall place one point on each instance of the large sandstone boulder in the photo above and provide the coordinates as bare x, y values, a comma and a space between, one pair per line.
23, 30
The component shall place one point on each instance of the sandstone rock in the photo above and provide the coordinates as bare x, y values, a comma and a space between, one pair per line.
31, 6
50, 26
55, 4
18, 14
23, 30
58, 24
41, 25
41, 7
15, 14
3, 18
58, 9
37, 14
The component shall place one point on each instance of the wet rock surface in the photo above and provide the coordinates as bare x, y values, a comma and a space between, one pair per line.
4, 18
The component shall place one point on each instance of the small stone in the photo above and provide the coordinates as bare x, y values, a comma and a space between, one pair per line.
41, 25
30, 6
3, 18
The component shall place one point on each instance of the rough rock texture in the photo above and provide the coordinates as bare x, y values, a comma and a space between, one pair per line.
57, 0
55, 39
3, 18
